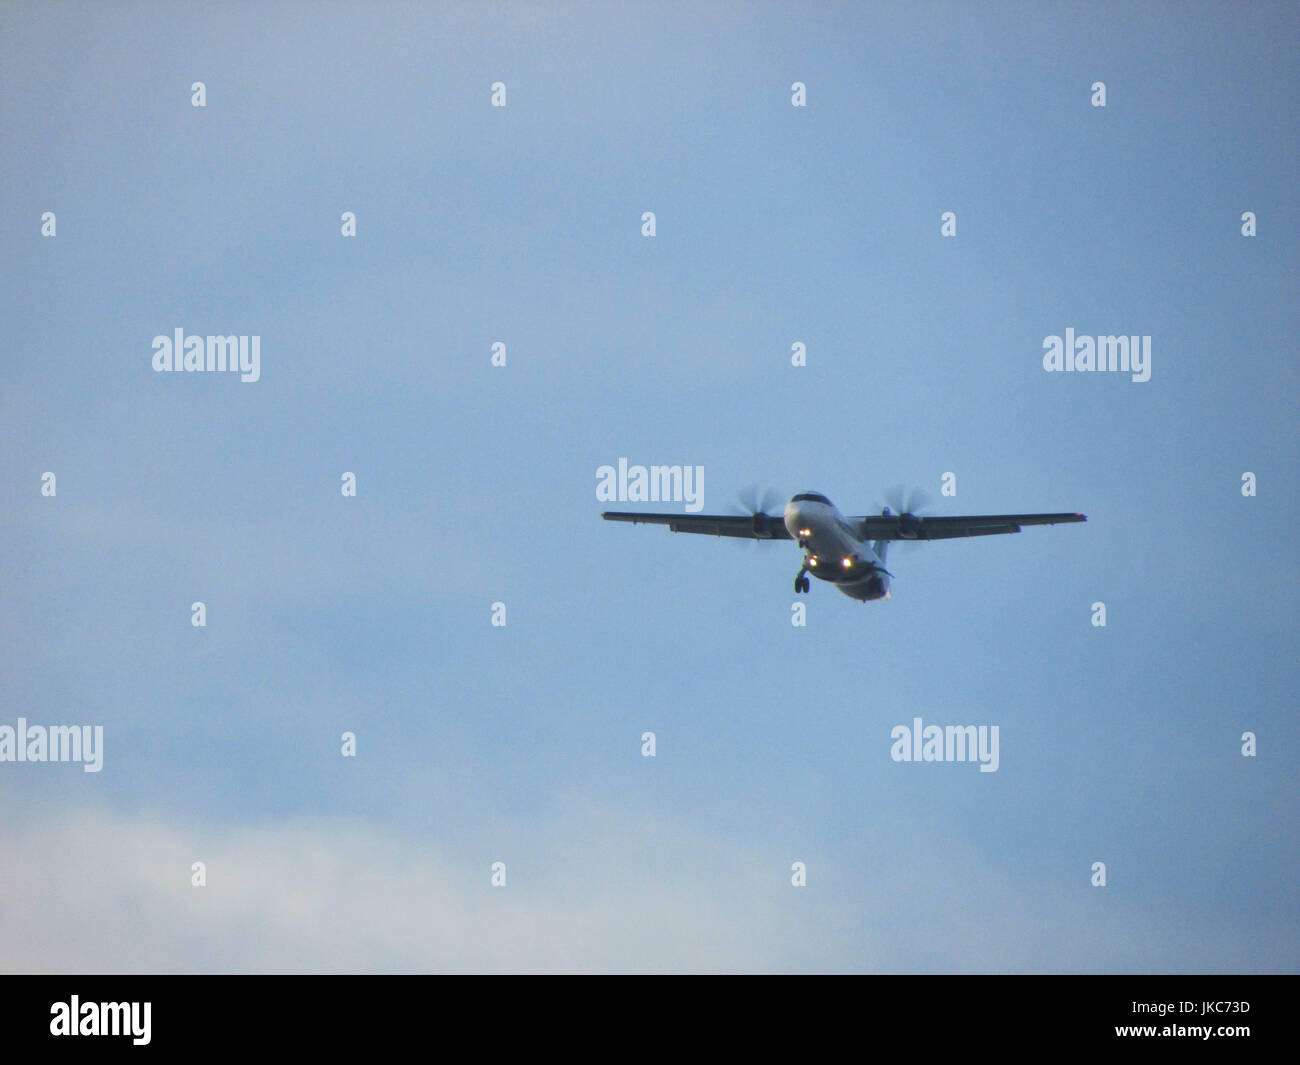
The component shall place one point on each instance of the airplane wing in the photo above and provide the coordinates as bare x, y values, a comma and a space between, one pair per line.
907, 527
744, 526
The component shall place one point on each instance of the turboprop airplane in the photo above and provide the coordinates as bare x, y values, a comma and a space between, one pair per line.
847, 552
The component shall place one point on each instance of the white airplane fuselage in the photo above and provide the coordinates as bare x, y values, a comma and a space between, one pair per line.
833, 551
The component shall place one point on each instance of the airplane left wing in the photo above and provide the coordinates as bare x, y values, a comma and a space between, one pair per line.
743, 526
908, 527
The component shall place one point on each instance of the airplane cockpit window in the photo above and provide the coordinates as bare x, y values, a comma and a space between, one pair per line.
812, 497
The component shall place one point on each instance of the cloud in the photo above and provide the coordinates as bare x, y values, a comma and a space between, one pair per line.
594, 890
101, 891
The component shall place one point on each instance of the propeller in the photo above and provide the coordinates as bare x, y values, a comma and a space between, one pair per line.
755, 505
910, 505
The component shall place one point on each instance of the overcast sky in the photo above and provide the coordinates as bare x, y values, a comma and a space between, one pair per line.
476, 484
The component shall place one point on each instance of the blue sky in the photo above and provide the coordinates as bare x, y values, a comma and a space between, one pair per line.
476, 484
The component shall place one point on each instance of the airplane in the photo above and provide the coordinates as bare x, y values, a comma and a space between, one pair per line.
847, 552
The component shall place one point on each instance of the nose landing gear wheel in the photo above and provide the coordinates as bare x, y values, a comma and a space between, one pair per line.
801, 583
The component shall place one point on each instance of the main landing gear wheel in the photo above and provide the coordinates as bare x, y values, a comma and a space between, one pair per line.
802, 584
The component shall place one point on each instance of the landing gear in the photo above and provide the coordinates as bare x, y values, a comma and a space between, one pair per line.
801, 582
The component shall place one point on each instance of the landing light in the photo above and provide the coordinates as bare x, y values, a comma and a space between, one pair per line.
805, 533
848, 562
812, 561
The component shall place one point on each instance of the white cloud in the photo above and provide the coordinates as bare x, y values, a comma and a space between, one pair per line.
593, 891
111, 892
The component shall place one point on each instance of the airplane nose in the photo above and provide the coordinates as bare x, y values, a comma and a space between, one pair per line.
792, 519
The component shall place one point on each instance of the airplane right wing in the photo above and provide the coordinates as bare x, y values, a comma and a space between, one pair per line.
909, 527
